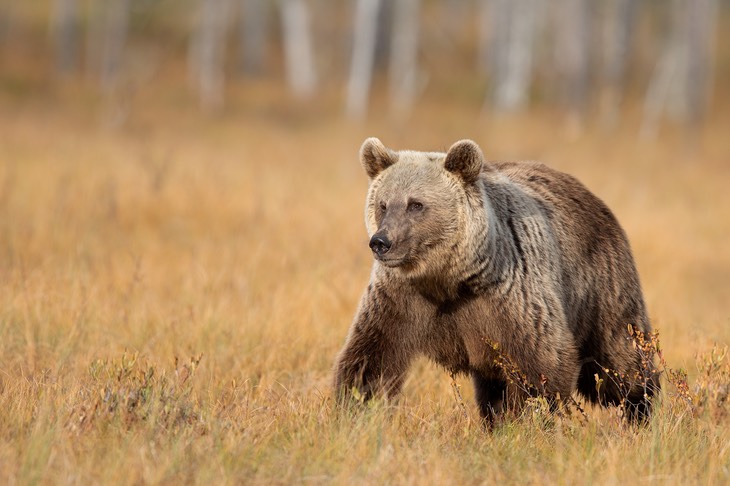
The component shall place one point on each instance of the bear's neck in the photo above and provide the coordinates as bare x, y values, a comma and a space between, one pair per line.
481, 260
488, 259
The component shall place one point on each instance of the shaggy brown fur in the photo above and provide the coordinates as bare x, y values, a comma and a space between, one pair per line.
469, 253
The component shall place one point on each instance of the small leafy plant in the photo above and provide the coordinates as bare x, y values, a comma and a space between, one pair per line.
127, 390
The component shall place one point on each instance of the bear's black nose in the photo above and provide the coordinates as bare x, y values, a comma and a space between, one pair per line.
380, 244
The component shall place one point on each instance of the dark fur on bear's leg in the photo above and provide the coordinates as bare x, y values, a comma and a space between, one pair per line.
490, 395
638, 401
366, 369
374, 360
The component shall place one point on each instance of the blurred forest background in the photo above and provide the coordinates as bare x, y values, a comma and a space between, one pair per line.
589, 59
182, 246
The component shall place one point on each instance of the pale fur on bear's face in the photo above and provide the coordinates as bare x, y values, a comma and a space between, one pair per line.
417, 203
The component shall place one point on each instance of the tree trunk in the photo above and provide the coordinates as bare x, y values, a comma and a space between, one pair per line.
680, 82
116, 20
210, 51
65, 33
384, 33
254, 29
298, 50
492, 18
404, 55
619, 25
700, 17
363, 56
572, 42
512, 71
93, 41
457, 14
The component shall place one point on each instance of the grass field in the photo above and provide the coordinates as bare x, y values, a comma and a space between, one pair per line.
173, 294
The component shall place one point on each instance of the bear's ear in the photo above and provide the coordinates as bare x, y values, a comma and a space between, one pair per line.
465, 159
375, 157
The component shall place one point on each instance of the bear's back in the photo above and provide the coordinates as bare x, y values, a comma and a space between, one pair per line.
565, 200
597, 267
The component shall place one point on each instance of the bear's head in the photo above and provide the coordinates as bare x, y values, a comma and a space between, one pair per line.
420, 205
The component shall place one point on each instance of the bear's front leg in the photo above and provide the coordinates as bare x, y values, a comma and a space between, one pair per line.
376, 356
490, 395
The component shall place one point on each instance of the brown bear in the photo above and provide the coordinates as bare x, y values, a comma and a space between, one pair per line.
470, 254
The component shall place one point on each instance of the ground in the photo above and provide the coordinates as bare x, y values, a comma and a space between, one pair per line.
174, 291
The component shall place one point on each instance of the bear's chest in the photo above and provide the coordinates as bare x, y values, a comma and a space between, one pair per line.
458, 335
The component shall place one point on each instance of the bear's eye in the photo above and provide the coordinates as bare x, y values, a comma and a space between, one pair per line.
382, 206
415, 206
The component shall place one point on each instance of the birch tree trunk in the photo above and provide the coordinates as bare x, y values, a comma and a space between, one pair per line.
210, 53
298, 50
664, 75
493, 32
254, 29
65, 33
457, 13
404, 55
572, 42
363, 57
93, 42
512, 71
701, 20
384, 33
116, 20
619, 25
680, 84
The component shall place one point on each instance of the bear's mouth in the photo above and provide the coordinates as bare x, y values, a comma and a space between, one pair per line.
394, 262
391, 262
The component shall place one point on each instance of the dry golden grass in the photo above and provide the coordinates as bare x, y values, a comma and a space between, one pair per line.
173, 294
